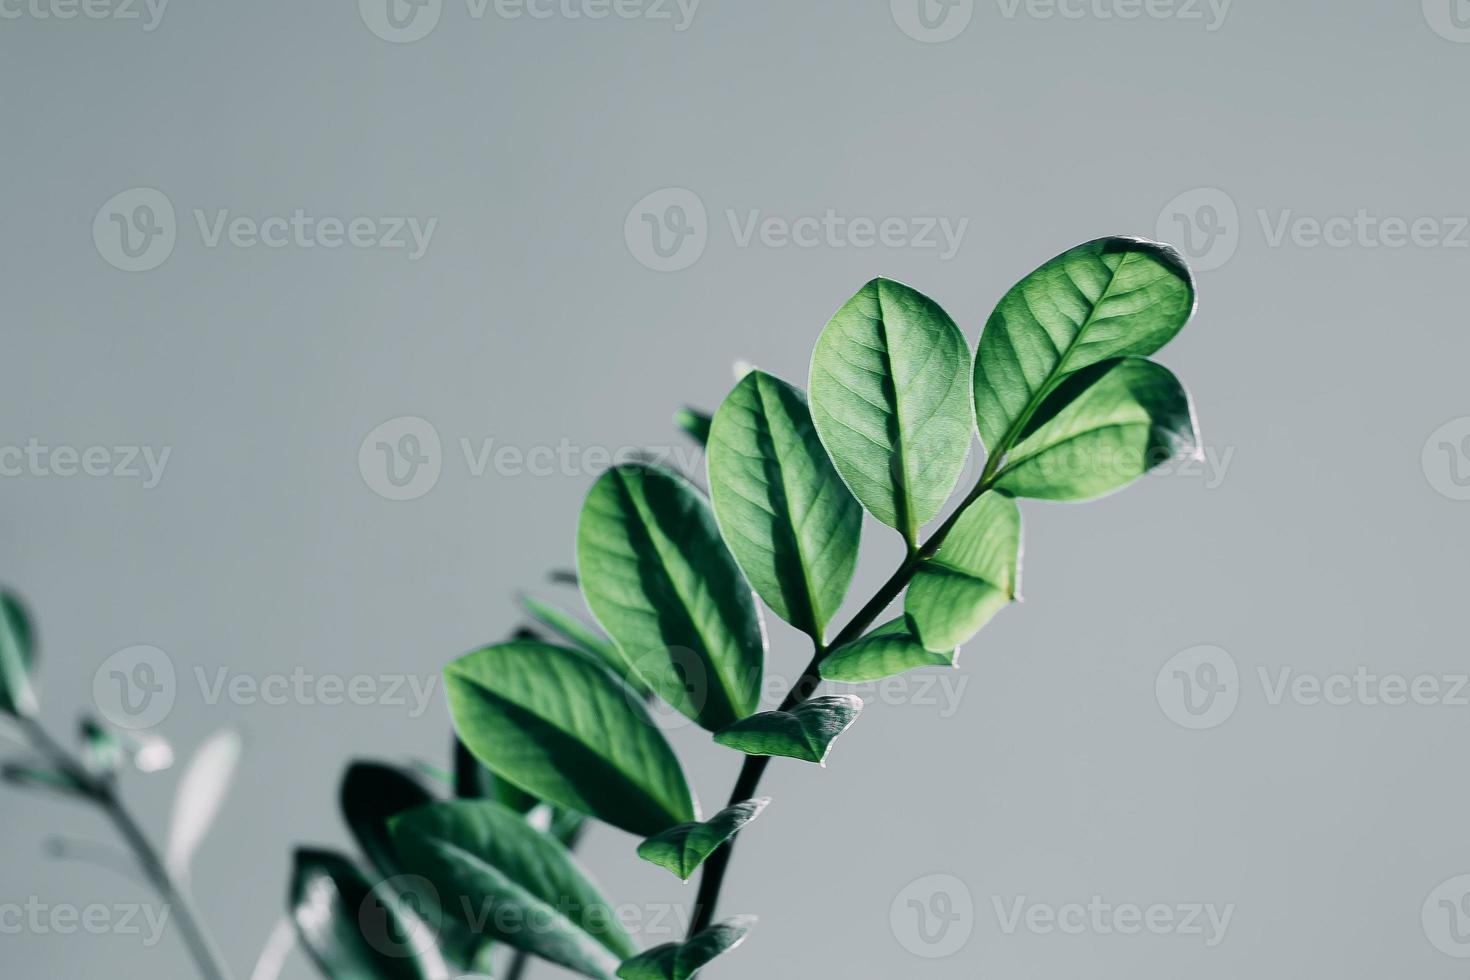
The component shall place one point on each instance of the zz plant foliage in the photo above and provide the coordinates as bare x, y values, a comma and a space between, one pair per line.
555, 726
553, 731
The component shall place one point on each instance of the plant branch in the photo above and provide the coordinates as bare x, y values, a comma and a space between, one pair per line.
713, 876
102, 792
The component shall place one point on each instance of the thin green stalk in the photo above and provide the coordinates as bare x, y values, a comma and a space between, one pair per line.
712, 878
102, 793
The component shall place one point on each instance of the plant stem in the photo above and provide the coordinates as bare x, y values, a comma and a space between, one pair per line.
713, 876
102, 793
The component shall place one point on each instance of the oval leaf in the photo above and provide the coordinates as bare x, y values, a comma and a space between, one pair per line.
561, 726
974, 574
371, 793
891, 400
200, 795
680, 961
17, 658
806, 732
1103, 428
583, 637
890, 649
682, 849
788, 518
512, 882
659, 579
1101, 300
353, 931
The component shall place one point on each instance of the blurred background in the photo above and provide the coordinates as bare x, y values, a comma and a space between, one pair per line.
242, 239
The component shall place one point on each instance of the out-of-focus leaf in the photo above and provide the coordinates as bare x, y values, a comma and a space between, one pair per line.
516, 883
558, 724
41, 777
788, 518
198, 799
683, 849
806, 732
353, 931
694, 423
657, 575
680, 961
370, 795
17, 658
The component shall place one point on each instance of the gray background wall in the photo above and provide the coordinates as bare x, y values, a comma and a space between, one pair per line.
1327, 536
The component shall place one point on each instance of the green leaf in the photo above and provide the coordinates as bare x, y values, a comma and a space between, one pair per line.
583, 637
680, 961
891, 401
659, 579
472, 781
353, 931
694, 423
683, 849
974, 574
42, 777
1103, 428
890, 649
370, 794
512, 882
805, 732
788, 518
102, 750
558, 724
1105, 299
17, 658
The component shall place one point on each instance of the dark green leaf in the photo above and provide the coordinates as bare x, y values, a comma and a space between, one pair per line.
890, 649
1105, 299
558, 724
891, 401
680, 961
583, 637
472, 781
41, 777
694, 423
371, 793
805, 732
353, 931
17, 658
1101, 429
512, 882
659, 579
788, 518
973, 576
682, 849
